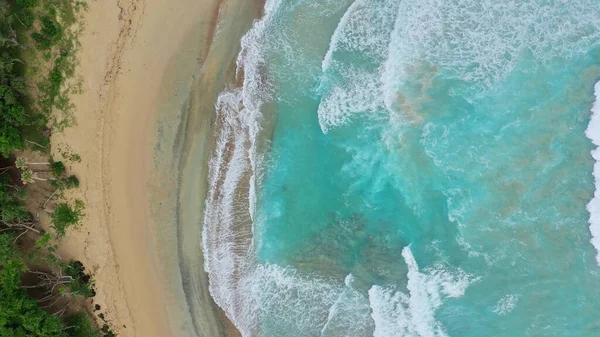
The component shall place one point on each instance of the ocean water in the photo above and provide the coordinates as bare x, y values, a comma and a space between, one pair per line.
417, 168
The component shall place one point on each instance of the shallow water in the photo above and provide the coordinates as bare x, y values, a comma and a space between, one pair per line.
427, 175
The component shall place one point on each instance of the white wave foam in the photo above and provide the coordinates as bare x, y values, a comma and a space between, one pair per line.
364, 28
233, 172
349, 315
481, 40
593, 133
363, 32
336, 36
397, 314
361, 94
506, 304
220, 242
286, 303
328, 8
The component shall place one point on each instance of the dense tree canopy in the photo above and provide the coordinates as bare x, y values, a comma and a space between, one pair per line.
33, 28
21, 316
12, 112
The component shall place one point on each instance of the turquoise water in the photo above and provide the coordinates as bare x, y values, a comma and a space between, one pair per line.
427, 172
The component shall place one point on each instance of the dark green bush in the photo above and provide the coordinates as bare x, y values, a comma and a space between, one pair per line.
26, 17
58, 168
65, 216
83, 283
107, 332
26, 3
82, 326
10, 140
49, 33
71, 182
50, 28
65, 183
55, 77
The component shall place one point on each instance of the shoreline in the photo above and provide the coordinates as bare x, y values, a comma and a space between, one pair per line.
144, 131
195, 141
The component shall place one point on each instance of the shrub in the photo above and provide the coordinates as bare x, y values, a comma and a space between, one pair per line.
58, 168
65, 216
82, 283
10, 140
26, 3
26, 17
55, 77
107, 332
65, 183
49, 33
71, 182
11, 208
82, 326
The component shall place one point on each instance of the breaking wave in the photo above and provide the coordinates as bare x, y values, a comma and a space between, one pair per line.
227, 234
408, 43
399, 314
398, 49
593, 133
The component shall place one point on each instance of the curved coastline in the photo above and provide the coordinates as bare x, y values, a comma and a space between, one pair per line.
154, 70
202, 68
147, 127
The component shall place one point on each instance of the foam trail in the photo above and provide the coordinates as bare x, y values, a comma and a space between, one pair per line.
337, 35
227, 234
349, 315
506, 304
412, 41
363, 32
466, 39
288, 303
593, 133
223, 235
397, 314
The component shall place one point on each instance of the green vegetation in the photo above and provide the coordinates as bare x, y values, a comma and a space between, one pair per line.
12, 210
60, 180
82, 283
12, 111
21, 315
58, 168
37, 54
37, 51
49, 34
65, 216
82, 326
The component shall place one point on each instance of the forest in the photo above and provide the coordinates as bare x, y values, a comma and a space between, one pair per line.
41, 294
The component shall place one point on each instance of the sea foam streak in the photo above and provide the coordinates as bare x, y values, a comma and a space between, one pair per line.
397, 314
463, 38
266, 297
349, 315
233, 171
428, 37
363, 30
288, 303
480, 41
593, 133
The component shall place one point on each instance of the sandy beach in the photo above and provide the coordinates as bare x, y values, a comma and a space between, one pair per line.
151, 72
